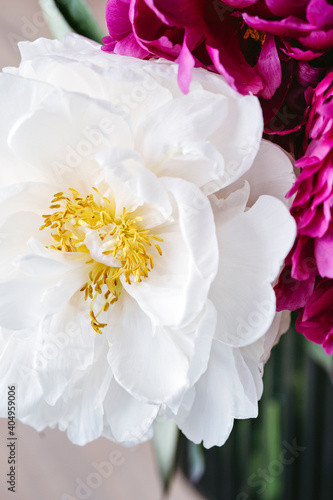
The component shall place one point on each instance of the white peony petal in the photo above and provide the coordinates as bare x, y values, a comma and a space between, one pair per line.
40, 266
206, 327
64, 71
17, 97
198, 162
129, 418
167, 296
132, 184
177, 287
271, 174
176, 128
224, 392
235, 204
14, 241
67, 259
26, 197
140, 353
26, 293
37, 297
256, 355
16, 369
44, 46
240, 138
58, 294
196, 223
65, 344
129, 85
251, 254
86, 393
58, 148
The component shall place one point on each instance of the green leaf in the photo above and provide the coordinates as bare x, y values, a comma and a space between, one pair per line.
80, 17
272, 434
196, 458
57, 24
165, 445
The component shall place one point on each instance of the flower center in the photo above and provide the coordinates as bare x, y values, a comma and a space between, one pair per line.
258, 36
124, 242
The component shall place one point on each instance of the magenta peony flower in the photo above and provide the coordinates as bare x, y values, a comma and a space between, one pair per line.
307, 280
312, 207
315, 321
259, 47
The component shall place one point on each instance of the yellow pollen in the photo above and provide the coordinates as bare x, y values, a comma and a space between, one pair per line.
255, 34
127, 244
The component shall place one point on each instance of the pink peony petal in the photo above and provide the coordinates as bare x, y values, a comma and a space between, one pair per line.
288, 27
269, 67
186, 63
319, 13
324, 254
117, 19
285, 8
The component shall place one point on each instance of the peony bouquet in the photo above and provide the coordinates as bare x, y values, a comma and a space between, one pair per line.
166, 201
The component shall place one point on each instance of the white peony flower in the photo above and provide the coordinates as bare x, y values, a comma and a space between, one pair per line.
141, 230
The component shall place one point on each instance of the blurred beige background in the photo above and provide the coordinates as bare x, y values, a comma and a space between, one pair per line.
49, 467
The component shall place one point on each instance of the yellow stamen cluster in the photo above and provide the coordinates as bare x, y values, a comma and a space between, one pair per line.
126, 241
258, 36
